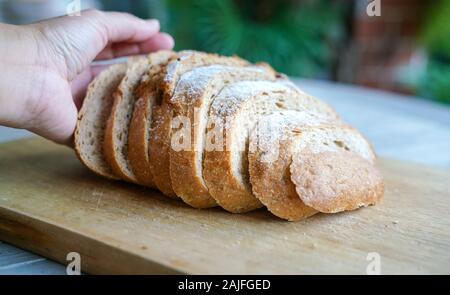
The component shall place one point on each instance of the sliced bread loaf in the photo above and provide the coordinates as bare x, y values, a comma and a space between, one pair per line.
92, 118
333, 169
160, 137
236, 110
191, 101
269, 160
115, 146
139, 131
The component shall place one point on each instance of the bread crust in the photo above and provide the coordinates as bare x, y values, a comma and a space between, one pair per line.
139, 131
224, 187
115, 146
159, 149
138, 142
188, 60
102, 169
332, 182
108, 146
272, 185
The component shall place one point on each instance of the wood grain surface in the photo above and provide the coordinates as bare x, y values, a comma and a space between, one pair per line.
50, 204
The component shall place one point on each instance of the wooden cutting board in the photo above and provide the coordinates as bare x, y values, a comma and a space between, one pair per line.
50, 204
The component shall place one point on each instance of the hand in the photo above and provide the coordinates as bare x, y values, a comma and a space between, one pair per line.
46, 67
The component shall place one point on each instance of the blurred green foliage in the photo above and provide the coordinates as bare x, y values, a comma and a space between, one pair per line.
141, 8
297, 37
436, 37
436, 83
436, 33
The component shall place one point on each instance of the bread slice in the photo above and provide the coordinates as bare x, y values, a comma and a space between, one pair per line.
333, 169
188, 60
191, 101
269, 160
237, 109
160, 137
90, 130
115, 146
139, 130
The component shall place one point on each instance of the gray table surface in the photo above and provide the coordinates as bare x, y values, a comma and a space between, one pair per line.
399, 126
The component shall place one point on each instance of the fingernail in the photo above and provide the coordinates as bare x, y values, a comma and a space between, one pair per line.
172, 45
153, 23
171, 41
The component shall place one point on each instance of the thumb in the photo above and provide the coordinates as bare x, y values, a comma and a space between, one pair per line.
54, 115
41, 103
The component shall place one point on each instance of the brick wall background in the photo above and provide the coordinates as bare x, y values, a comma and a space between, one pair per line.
384, 51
